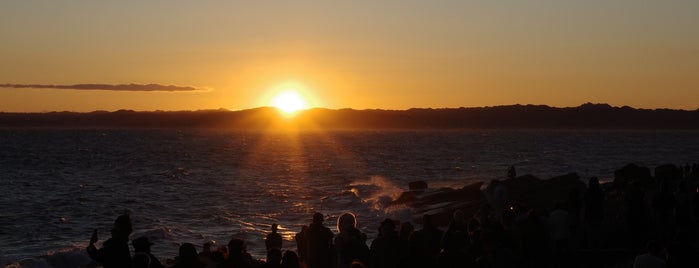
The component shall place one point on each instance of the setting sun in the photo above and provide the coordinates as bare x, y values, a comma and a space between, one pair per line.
289, 101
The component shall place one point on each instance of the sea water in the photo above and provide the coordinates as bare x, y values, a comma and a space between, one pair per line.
57, 185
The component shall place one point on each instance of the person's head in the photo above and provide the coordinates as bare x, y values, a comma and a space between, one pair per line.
141, 244
141, 260
654, 247
290, 259
122, 227
346, 222
593, 183
317, 218
188, 252
207, 245
406, 229
357, 264
274, 227
274, 255
387, 226
236, 247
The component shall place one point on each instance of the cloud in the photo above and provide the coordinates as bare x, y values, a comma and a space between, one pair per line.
120, 87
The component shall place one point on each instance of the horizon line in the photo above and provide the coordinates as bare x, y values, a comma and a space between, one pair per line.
221, 109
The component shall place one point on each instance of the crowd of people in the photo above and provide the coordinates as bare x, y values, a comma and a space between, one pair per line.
659, 222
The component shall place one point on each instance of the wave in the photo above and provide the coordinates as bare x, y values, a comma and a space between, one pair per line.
377, 190
66, 257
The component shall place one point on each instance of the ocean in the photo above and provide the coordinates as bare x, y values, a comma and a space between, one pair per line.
57, 185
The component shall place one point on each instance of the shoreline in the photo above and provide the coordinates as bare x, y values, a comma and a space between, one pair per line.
528, 191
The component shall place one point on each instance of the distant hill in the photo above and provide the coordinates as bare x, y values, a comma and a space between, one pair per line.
592, 116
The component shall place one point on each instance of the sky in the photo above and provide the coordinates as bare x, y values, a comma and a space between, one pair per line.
189, 55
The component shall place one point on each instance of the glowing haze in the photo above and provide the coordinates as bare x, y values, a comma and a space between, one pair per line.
347, 54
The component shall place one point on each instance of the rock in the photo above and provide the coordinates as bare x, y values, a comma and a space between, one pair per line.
417, 186
527, 191
531, 192
632, 173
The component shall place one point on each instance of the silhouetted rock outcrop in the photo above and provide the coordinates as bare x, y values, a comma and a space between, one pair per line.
632, 173
527, 191
532, 192
417, 185
510, 116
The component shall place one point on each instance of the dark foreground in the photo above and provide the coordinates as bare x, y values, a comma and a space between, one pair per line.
637, 219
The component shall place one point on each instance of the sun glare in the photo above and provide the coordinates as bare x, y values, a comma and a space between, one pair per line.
289, 101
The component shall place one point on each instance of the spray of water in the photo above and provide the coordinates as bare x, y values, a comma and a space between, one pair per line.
377, 190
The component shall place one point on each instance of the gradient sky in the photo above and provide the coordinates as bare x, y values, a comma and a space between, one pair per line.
349, 54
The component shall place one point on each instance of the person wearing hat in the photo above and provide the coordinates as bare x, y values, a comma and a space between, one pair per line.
115, 251
142, 245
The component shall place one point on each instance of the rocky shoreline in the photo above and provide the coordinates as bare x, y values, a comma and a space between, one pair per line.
624, 229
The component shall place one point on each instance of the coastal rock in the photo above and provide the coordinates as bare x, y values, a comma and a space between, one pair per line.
532, 192
632, 173
417, 185
528, 191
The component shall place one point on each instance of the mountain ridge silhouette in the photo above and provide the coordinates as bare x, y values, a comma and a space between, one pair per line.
588, 115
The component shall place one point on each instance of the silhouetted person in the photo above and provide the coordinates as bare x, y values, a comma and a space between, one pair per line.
512, 232
511, 172
141, 260
385, 248
217, 259
188, 257
425, 243
273, 239
594, 203
636, 213
594, 212
319, 247
350, 243
474, 237
494, 254
559, 228
274, 258
574, 205
142, 245
455, 243
664, 203
115, 251
683, 211
497, 197
695, 202
535, 241
406, 231
205, 254
357, 264
302, 243
652, 258
237, 254
290, 260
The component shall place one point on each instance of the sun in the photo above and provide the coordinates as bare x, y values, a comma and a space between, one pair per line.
289, 101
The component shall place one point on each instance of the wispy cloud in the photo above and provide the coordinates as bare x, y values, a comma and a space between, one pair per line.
119, 87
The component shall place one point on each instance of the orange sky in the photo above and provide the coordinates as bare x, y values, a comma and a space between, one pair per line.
349, 54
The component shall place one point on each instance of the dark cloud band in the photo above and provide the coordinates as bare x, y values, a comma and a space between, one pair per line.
120, 87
